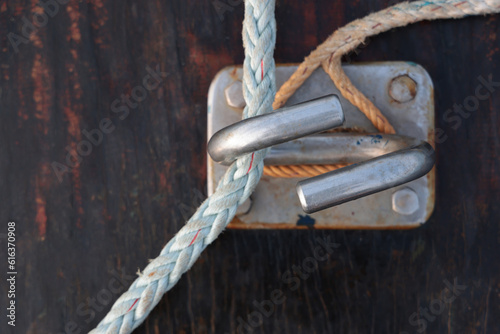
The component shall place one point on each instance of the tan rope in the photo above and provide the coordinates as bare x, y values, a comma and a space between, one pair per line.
289, 171
348, 38
334, 69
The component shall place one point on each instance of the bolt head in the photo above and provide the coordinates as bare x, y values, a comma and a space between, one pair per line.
405, 201
403, 89
234, 95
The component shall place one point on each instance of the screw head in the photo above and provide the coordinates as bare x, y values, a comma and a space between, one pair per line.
234, 95
405, 201
403, 89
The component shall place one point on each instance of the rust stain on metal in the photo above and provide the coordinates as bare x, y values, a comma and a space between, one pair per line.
41, 92
73, 107
431, 139
234, 73
74, 30
101, 15
237, 224
41, 216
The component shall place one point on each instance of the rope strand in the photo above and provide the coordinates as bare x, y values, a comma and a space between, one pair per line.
180, 253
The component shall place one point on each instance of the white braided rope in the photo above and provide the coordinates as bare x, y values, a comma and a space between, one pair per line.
132, 308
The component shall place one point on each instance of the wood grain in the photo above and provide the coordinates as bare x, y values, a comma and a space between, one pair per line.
128, 197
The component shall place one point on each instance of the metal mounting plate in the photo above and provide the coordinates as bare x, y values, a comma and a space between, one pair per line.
275, 204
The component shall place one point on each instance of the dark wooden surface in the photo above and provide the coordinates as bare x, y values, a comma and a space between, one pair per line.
116, 210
